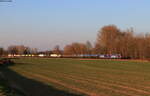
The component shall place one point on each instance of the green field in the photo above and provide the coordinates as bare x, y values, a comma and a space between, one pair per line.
76, 77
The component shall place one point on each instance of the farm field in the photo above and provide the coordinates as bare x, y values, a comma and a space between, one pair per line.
79, 77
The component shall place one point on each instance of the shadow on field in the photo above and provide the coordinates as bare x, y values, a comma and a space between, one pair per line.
31, 87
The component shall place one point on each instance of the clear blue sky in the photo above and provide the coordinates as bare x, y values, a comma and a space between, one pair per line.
45, 23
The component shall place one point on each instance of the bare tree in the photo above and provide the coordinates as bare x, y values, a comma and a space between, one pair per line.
68, 50
75, 49
19, 49
107, 39
1, 51
12, 50
89, 47
57, 50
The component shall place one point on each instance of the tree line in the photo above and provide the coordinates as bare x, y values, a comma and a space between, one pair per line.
17, 49
110, 40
